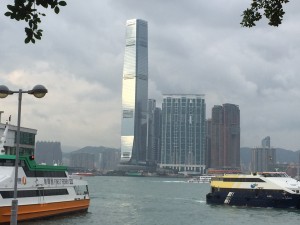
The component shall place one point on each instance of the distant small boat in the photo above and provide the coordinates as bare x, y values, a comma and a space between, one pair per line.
200, 179
83, 174
134, 173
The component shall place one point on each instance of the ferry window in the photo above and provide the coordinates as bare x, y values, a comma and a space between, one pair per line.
26, 138
21, 163
242, 180
56, 192
81, 190
7, 162
274, 175
34, 193
32, 173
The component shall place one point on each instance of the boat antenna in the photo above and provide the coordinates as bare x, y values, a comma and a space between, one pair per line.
3, 137
0, 115
298, 168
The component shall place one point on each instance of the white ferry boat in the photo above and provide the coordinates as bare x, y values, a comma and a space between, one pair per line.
200, 179
264, 189
42, 190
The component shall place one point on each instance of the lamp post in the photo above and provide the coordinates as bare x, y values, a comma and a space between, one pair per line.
39, 91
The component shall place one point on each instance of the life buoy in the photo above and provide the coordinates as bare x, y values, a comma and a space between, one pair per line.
24, 180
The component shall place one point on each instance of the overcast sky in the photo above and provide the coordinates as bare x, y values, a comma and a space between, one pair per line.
195, 47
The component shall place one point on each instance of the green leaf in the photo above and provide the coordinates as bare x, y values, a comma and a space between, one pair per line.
33, 41
62, 3
56, 10
27, 17
44, 4
27, 40
11, 7
37, 36
7, 13
27, 30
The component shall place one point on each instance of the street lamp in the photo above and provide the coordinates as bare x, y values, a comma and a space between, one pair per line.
39, 91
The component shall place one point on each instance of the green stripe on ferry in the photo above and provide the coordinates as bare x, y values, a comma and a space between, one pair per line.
32, 164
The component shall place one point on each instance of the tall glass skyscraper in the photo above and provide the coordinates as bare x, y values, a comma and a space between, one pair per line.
135, 93
183, 133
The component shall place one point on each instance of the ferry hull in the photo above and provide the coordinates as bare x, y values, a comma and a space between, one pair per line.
253, 200
28, 212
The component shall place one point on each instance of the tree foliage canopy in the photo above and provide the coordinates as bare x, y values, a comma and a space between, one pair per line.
271, 9
28, 10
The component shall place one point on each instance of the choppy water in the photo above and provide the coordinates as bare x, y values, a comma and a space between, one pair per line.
162, 201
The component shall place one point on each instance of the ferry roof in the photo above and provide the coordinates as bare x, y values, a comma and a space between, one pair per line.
259, 174
32, 164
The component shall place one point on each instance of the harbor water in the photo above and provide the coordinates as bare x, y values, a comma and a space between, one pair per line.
162, 201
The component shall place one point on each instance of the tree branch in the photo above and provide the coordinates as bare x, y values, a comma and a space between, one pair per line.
271, 9
26, 10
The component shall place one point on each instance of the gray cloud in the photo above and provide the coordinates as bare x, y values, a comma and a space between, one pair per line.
194, 47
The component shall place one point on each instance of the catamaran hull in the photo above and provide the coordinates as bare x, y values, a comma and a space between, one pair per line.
249, 198
35, 211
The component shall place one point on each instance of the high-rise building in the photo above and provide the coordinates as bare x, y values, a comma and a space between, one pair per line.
266, 142
82, 161
48, 152
154, 130
135, 93
225, 137
98, 158
263, 158
183, 133
208, 143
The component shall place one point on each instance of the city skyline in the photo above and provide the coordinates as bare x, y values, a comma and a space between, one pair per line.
205, 50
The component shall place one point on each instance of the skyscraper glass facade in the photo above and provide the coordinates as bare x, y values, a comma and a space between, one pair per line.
135, 93
183, 132
154, 130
